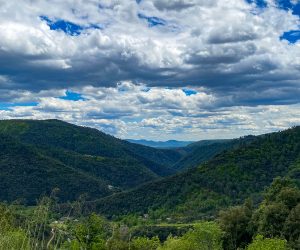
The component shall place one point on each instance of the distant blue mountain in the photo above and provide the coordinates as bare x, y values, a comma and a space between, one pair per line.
161, 144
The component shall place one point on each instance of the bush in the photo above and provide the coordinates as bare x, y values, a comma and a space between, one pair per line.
142, 243
205, 236
261, 243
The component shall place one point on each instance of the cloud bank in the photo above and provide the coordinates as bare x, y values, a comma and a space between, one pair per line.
193, 68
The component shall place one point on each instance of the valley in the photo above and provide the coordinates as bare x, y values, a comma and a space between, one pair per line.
85, 176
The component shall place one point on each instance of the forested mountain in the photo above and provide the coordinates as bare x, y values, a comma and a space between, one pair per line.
26, 174
83, 140
62, 148
199, 152
194, 153
225, 180
42, 155
246, 189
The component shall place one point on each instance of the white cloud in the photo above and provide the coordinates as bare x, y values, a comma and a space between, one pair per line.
229, 51
210, 37
133, 111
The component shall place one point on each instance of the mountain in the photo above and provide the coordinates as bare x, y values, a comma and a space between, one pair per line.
161, 144
88, 141
228, 179
26, 174
201, 151
122, 177
194, 153
42, 155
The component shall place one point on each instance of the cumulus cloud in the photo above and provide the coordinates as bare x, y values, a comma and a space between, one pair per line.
209, 35
137, 111
174, 5
131, 59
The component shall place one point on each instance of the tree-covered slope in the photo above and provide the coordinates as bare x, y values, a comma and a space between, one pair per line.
27, 174
197, 153
227, 179
88, 141
202, 151
38, 156
117, 172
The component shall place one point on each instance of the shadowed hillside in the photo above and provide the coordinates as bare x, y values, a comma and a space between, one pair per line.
42, 155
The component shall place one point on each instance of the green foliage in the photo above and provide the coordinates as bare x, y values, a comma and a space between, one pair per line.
88, 141
272, 218
199, 152
120, 238
10, 236
38, 156
279, 185
39, 228
162, 231
174, 243
291, 229
261, 243
6, 218
91, 233
143, 243
279, 213
278, 216
25, 233
204, 236
228, 179
14, 239
235, 223
26, 174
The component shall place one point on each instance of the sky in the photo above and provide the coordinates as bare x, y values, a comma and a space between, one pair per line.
153, 69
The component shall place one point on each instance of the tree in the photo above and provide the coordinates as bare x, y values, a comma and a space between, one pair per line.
142, 243
92, 232
280, 199
291, 229
271, 219
261, 243
276, 187
120, 238
289, 196
204, 236
235, 224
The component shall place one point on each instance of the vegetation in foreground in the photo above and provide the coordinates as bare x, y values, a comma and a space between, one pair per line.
273, 225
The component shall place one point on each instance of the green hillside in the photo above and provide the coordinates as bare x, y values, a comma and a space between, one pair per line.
88, 141
227, 179
26, 174
236, 200
38, 156
202, 151
199, 152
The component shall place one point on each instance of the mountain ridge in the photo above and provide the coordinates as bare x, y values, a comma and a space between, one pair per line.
161, 144
107, 161
227, 179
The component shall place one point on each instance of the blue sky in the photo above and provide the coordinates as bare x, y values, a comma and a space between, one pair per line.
72, 96
69, 28
154, 69
9, 106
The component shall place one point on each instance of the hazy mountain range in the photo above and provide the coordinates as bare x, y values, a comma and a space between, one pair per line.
161, 144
